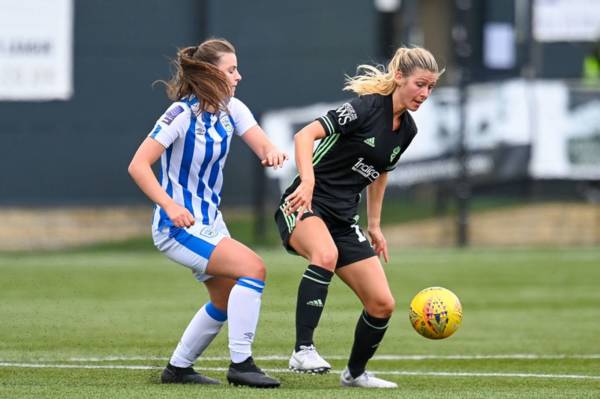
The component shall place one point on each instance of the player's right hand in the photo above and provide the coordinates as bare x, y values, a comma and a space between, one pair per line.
300, 200
180, 216
379, 243
274, 159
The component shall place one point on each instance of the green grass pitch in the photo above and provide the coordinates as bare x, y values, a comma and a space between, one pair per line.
102, 323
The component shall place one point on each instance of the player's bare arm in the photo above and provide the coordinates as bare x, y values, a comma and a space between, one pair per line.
140, 169
266, 151
304, 141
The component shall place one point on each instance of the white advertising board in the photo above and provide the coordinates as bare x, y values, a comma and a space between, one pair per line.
36, 50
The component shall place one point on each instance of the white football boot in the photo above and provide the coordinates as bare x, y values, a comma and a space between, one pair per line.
365, 380
308, 360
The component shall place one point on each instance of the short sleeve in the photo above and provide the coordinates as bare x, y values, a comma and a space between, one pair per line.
172, 124
241, 116
348, 117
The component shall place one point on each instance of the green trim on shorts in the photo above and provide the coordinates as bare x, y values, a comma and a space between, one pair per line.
290, 220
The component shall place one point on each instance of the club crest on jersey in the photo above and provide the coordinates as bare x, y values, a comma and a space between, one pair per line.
345, 113
226, 122
171, 114
365, 170
395, 152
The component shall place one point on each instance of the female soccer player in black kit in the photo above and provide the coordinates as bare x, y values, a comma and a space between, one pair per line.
361, 142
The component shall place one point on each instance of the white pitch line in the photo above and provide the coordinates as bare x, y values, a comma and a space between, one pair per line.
516, 356
510, 375
76, 366
279, 370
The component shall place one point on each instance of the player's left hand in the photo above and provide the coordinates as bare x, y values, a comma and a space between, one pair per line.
274, 159
378, 242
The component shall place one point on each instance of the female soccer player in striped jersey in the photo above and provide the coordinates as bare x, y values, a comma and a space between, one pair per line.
361, 142
192, 140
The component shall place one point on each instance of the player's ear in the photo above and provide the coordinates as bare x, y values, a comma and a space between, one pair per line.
398, 77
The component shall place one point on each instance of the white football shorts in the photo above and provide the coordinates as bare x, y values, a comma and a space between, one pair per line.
191, 246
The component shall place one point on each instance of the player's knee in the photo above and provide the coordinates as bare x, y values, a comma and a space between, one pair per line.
381, 307
256, 269
326, 258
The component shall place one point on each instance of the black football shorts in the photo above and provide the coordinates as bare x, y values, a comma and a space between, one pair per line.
352, 244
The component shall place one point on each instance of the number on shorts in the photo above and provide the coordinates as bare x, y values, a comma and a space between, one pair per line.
360, 235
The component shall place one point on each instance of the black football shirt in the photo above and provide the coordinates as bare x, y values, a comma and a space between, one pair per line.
359, 146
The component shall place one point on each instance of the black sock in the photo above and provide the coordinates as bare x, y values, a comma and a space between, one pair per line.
312, 294
367, 336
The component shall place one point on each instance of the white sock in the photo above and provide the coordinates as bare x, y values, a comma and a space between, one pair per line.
203, 328
243, 309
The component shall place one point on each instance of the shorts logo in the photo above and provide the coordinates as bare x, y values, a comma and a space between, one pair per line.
395, 152
365, 170
345, 113
171, 114
227, 124
208, 232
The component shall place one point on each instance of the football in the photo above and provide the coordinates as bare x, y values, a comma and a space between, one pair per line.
435, 313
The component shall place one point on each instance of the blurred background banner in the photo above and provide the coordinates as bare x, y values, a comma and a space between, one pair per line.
36, 50
515, 129
566, 20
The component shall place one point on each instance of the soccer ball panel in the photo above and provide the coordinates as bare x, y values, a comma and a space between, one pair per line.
435, 313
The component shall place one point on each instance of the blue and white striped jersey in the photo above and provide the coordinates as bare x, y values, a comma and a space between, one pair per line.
196, 146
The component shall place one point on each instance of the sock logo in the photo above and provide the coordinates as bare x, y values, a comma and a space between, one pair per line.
316, 303
249, 336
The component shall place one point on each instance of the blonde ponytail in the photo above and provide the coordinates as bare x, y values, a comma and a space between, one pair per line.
380, 80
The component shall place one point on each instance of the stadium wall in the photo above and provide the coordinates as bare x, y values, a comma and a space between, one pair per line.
76, 151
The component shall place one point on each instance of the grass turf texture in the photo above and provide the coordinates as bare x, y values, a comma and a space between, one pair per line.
72, 322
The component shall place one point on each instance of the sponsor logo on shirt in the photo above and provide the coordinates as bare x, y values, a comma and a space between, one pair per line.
171, 114
370, 141
365, 170
345, 113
